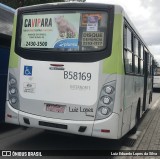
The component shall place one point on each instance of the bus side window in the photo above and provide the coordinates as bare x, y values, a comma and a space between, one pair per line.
125, 37
135, 48
128, 55
149, 64
151, 70
129, 39
141, 58
142, 67
128, 61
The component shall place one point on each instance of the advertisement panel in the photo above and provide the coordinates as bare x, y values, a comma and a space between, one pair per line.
50, 31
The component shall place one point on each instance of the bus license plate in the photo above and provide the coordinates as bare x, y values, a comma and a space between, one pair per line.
55, 108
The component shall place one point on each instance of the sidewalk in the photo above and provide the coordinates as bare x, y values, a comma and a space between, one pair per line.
151, 138
148, 134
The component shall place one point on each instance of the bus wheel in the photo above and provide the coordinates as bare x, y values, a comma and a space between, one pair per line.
134, 129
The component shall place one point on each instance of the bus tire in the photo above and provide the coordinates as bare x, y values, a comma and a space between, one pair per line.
134, 129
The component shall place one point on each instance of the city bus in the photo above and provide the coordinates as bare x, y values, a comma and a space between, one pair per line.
156, 79
6, 23
79, 68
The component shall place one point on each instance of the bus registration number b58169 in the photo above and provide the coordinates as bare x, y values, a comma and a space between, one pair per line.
84, 76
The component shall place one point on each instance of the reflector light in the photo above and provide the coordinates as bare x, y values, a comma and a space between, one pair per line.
105, 131
9, 116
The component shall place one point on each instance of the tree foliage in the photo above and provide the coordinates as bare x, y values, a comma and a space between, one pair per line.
155, 63
20, 3
75, 0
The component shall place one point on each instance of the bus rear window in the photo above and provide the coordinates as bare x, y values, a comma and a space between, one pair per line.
64, 31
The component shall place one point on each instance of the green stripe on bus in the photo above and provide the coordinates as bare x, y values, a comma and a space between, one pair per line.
13, 61
114, 63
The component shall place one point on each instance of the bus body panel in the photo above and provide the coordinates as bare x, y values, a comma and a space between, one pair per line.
114, 64
79, 110
58, 81
79, 97
133, 94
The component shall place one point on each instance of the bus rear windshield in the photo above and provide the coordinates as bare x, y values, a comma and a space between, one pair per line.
64, 31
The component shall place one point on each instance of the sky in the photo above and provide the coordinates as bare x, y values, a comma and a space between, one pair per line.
145, 15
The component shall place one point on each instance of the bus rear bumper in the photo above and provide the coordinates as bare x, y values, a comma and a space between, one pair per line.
67, 126
93, 128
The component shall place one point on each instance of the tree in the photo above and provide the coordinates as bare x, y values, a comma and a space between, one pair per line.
20, 3
155, 64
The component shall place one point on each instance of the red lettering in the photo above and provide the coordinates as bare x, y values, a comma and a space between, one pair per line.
33, 22
39, 22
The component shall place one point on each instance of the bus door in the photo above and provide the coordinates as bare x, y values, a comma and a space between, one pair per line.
146, 57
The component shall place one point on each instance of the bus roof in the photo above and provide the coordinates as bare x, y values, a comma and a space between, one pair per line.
6, 19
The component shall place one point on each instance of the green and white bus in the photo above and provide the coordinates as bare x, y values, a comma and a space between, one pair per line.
79, 68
